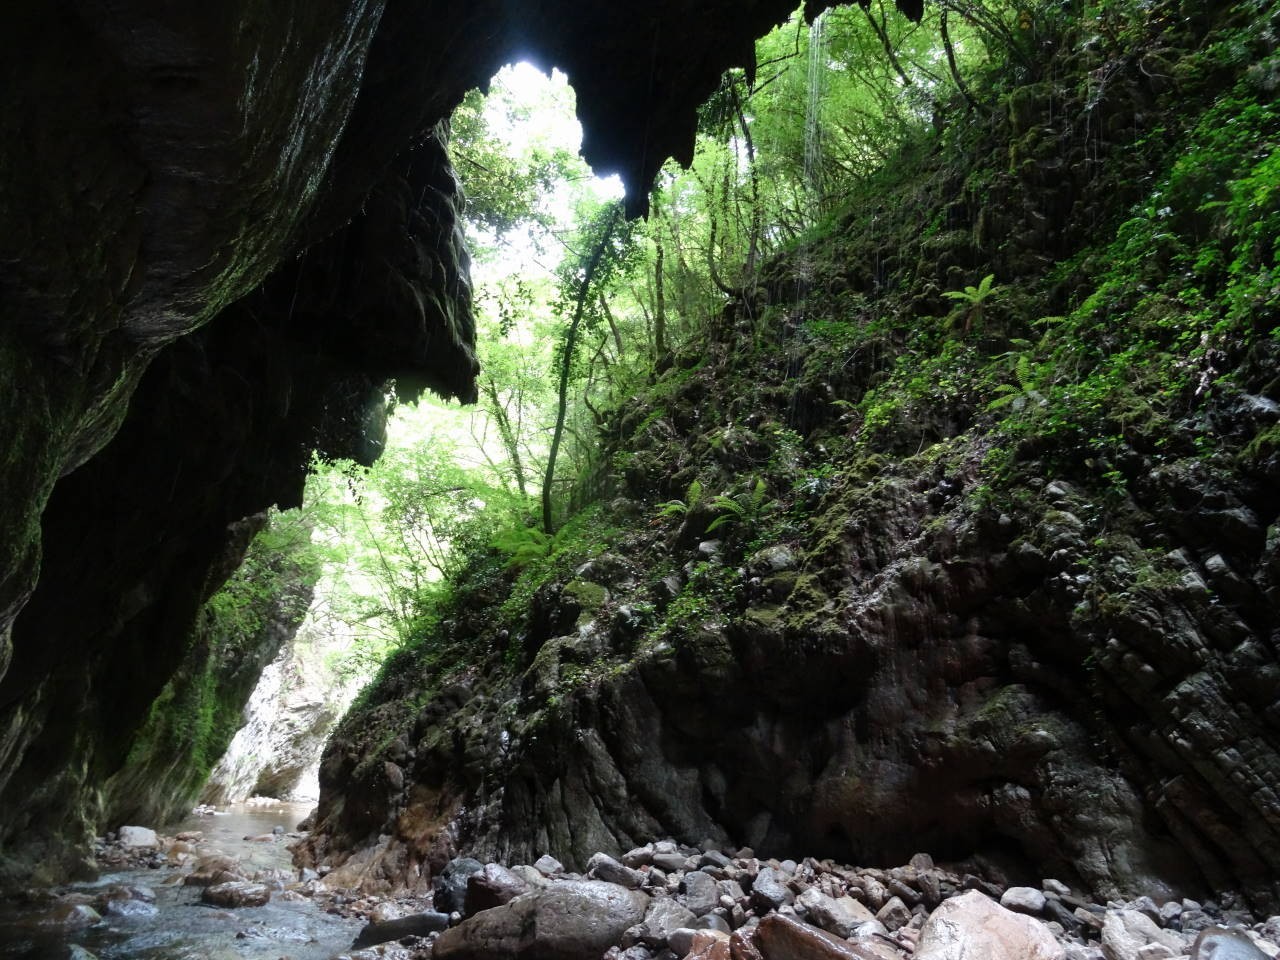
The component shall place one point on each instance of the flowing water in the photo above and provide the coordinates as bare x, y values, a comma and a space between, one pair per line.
182, 928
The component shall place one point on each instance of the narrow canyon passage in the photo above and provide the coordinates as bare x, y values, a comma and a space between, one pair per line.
857, 533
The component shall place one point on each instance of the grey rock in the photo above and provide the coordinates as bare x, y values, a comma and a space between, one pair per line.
134, 837
1055, 886
604, 867
237, 893
569, 920
1169, 912
713, 921
1125, 932
974, 926
548, 865
894, 914
670, 861
129, 908
1193, 921
700, 893
1023, 900
681, 940
714, 858
1219, 943
663, 916
769, 891
1147, 907
841, 917
732, 889
870, 930
492, 886
414, 925
450, 884
638, 857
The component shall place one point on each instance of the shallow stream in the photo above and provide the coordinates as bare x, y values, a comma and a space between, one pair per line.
183, 928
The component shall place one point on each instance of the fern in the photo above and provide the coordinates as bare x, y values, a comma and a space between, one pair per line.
736, 509
692, 498
523, 545
975, 297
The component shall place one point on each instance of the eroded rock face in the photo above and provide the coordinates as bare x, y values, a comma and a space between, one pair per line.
164, 170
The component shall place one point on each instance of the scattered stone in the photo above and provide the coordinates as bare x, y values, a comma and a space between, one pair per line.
414, 925
714, 858
638, 857
548, 865
1027, 900
604, 867
570, 920
701, 895
709, 945
769, 891
670, 861
841, 917
783, 938
237, 893
894, 914
1125, 932
662, 918
1055, 886
972, 925
77, 952
1147, 907
1170, 912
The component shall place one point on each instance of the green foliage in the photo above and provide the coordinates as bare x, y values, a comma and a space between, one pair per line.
692, 499
746, 508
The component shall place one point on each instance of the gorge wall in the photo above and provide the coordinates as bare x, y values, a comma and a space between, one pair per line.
223, 230
996, 579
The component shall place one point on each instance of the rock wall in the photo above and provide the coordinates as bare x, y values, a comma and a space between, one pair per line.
241, 630
222, 230
301, 696
1040, 647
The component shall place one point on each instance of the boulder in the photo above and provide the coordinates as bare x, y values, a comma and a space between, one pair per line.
570, 920
133, 837
237, 893
450, 884
972, 925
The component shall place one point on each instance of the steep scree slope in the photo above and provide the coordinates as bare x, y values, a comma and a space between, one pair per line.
999, 580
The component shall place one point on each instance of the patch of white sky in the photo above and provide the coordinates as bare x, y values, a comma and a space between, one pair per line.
529, 108
526, 107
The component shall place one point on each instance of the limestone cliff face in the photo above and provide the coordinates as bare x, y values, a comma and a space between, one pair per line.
1042, 645
223, 228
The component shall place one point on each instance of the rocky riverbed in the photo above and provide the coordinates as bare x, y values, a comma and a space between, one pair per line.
217, 893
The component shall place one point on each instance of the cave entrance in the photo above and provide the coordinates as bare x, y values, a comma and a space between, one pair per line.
384, 544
